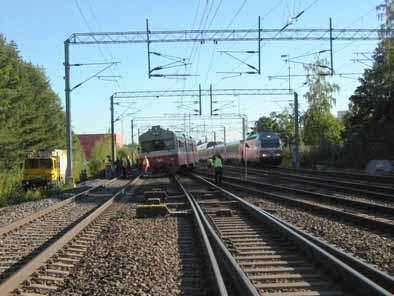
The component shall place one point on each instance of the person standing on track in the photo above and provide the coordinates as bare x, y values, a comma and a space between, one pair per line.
218, 165
146, 164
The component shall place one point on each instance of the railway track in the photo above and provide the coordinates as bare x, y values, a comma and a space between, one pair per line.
359, 177
226, 247
263, 256
199, 272
359, 212
27, 242
380, 193
48, 271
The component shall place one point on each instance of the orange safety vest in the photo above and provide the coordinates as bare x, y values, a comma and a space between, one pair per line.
146, 163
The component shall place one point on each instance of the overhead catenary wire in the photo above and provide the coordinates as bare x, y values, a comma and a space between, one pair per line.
91, 30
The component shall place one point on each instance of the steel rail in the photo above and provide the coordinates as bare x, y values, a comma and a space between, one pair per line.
26, 220
16, 279
208, 250
240, 279
351, 277
348, 175
370, 190
331, 198
367, 270
367, 222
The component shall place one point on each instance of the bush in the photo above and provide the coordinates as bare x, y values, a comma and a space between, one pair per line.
9, 185
11, 191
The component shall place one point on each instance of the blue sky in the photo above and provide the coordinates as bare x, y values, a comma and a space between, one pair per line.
40, 28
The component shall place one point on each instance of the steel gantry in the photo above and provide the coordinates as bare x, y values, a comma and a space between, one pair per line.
202, 36
211, 92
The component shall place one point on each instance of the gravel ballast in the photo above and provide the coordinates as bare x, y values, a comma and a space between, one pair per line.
133, 257
373, 248
13, 213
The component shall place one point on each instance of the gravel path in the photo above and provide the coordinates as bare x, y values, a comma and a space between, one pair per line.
373, 248
13, 213
135, 257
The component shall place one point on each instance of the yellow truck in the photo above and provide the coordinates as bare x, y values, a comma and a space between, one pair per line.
45, 168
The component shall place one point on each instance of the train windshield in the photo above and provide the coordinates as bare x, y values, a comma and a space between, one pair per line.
270, 142
157, 145
39, 163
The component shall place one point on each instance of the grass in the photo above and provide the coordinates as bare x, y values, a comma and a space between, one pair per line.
11, 191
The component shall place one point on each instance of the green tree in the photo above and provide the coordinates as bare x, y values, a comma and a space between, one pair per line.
321, 128
31, 116
264, 124
282, 123
79, 160
99, 155
370, 122
320, 94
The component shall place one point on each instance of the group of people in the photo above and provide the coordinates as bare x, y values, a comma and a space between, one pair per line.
216, 162
121, 167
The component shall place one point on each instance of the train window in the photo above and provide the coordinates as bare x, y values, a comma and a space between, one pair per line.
272, 142
181, 145
157, 145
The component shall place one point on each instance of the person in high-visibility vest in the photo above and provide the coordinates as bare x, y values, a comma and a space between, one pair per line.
146, 164
218, 165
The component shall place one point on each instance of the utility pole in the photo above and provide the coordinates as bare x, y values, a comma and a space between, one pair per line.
224, 135
132, 132
331, 53
69, 170
112, 131
288, 61
297, 132
148, 47
244, 146
199, 97
259, 47
210, 97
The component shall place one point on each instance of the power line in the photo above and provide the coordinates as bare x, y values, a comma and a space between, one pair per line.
236, 14
91, 30
215, 13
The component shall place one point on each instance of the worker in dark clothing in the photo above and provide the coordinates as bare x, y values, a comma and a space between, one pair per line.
218, 165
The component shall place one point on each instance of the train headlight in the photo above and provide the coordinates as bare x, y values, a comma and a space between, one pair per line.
264, 155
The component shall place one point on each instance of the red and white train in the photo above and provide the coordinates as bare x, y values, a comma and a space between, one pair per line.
168, 151
261, 149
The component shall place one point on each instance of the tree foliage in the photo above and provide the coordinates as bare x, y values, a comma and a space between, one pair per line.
31, 116
370, 122
320, 94
100, 154
282, 123
321, 128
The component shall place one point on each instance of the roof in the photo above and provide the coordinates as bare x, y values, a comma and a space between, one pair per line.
156, 132
88, 141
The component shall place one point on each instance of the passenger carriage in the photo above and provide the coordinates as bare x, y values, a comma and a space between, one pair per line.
261, 149
168, 151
